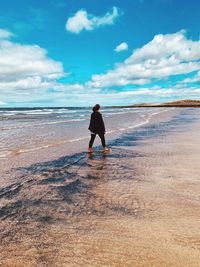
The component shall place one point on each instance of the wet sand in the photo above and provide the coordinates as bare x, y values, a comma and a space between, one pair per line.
136, 206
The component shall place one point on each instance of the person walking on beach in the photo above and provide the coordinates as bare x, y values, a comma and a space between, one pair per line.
97, 127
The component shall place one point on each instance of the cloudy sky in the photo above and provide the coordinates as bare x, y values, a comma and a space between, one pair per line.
80, 52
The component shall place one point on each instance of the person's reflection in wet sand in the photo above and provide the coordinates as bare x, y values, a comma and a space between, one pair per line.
98, 172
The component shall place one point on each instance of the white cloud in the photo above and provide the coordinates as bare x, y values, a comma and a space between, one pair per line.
27, 72
69, 87
4, 34
27, 67
164, 56
2, 103
195, 79
121, 47
140, 95
84, 21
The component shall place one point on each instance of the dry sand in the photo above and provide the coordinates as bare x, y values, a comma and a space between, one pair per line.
138, 206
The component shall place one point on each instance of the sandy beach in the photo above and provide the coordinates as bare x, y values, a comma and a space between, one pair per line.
137, 206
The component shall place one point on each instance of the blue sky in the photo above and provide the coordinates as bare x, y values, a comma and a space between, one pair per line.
77, 53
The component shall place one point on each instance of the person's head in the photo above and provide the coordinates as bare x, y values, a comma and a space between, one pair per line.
96, 108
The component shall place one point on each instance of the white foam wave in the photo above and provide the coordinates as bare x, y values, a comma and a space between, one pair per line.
146, 121
41, 124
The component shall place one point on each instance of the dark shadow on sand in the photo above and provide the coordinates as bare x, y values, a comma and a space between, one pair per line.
65, 186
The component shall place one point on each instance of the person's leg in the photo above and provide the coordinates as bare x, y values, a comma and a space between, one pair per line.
92, 140
102, 136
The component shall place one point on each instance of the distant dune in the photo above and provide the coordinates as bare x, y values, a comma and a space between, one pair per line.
180, 103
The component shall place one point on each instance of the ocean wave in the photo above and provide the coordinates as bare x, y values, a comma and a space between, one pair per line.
40, 124
122, 129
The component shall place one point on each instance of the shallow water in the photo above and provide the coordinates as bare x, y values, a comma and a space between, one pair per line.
135, 206
23, 130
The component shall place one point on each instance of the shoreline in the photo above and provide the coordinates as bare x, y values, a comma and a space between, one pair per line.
61, 147
186, 103
137, 206
158, 106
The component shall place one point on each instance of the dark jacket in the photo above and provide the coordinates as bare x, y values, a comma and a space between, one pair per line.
96, 123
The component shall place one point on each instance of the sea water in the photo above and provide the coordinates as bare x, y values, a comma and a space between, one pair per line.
27, 129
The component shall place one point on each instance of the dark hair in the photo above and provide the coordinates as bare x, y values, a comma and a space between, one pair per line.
96, 108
